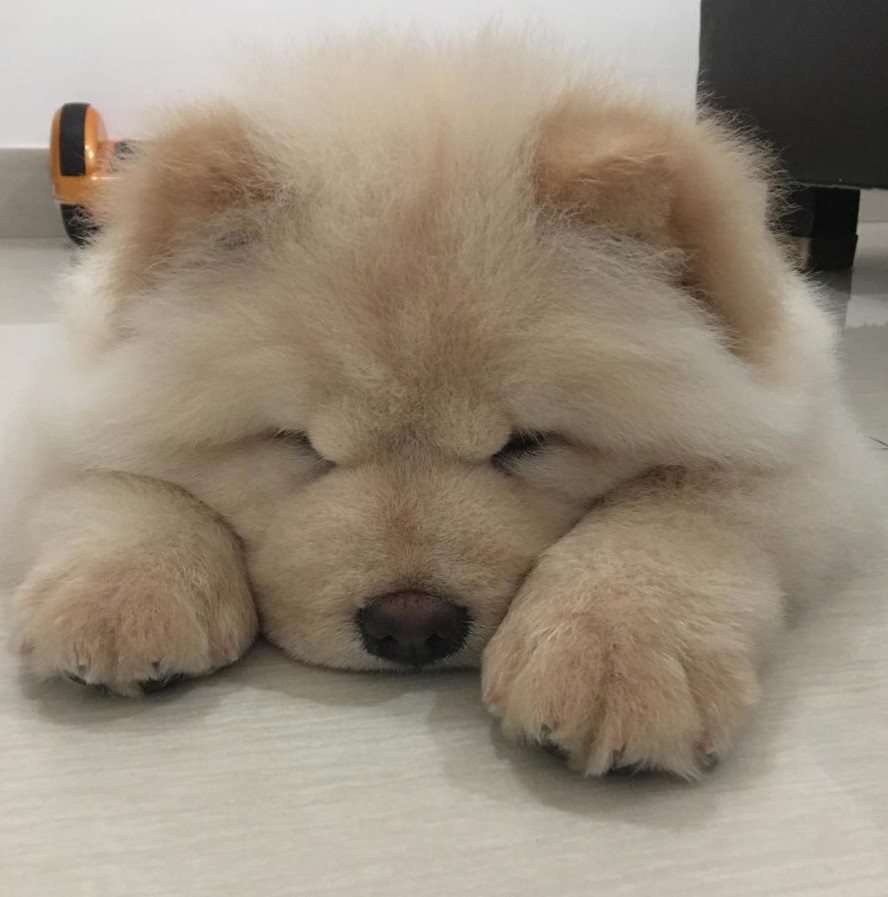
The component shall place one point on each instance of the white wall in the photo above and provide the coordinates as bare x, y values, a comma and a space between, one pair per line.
121, 55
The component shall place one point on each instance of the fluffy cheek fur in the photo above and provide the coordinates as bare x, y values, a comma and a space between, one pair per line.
468, 533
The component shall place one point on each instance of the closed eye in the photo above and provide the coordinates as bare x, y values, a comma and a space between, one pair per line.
521, 444
300, 440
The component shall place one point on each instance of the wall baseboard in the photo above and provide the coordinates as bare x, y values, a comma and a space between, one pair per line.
27, 208
873, 206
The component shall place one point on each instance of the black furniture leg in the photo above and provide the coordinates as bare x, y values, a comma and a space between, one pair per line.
827, 218
834, 235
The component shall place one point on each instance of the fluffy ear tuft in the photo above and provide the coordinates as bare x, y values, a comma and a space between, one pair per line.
689, 186
618, 179
201, 179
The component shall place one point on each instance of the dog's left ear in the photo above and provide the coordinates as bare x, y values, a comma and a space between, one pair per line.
691, 186
199, 183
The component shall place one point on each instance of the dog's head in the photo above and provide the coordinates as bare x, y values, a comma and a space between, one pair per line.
404, 333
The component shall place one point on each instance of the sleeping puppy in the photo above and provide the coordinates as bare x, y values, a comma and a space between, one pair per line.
433, 357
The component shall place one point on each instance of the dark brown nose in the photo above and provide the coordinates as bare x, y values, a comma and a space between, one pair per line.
413, 627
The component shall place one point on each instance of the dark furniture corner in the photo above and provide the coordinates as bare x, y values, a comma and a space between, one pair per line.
811, 78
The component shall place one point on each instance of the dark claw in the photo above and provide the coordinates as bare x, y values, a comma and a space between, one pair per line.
551, 747
96, 686
555, 750
617, 768
150, 686
708, 762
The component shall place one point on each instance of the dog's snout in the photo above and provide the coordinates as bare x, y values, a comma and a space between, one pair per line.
413, 627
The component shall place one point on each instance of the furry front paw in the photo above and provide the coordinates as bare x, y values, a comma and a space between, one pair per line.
610, 690
135, 622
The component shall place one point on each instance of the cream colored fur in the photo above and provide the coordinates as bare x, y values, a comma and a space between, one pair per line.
408, 252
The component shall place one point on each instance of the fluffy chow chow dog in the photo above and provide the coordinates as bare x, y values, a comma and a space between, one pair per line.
414, 356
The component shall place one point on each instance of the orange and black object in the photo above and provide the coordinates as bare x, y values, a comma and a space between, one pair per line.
81, 159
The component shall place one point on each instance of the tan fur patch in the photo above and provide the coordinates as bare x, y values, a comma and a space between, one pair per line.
691, 188
201, 167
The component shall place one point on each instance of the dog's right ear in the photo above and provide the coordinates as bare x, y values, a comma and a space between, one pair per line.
690, 187
200, 181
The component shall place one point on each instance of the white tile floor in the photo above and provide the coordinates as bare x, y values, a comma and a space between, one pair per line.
274, 779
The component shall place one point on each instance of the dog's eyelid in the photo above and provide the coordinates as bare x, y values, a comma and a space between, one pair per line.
298, 438
522, 442
301, 440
